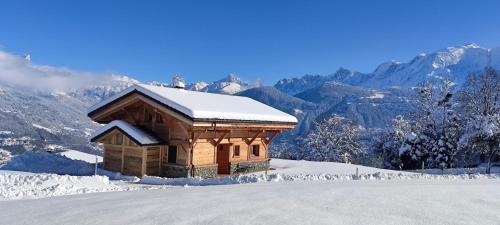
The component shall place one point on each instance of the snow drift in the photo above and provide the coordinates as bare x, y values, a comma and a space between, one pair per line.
15, 185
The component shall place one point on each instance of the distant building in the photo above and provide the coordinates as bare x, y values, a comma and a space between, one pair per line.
173, 132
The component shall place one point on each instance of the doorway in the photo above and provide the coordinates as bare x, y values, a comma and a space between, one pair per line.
223, 159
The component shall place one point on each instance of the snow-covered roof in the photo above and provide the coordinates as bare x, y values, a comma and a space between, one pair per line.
205, 106
138, 135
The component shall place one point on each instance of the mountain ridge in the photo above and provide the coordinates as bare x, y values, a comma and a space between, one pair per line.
453, 63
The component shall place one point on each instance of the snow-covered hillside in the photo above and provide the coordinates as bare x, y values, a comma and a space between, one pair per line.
43, 107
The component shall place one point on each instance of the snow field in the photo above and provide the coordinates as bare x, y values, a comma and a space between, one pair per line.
43, 182
409, 202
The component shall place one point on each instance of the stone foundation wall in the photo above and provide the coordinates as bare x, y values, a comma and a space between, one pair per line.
248, 167
205, 171
173, 171
209, 171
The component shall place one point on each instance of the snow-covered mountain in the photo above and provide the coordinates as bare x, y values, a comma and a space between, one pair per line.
231, 84
454, 63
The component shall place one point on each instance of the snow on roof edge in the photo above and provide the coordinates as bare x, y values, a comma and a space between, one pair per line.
139, 136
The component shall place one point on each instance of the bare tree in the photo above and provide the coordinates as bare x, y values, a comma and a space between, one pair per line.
335, 139
480, 107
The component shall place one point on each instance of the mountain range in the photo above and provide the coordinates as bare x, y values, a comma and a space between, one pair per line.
37, 114
453, 63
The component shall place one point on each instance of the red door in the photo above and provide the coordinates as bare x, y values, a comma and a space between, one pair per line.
223, 159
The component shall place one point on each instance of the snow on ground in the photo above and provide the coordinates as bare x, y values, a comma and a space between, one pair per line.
294, 167
43, 162
282, 171
19, 185
73, 164
43, 128
77, 155
290, 170
5, 132
376, 95
295, 192
344, 202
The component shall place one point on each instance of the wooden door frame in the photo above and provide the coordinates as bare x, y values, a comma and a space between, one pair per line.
228, 146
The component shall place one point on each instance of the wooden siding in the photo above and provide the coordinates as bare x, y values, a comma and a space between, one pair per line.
132, 162
153, 161
128, 158
112, 158
203, 153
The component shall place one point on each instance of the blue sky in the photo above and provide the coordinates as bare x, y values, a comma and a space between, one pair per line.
206, 40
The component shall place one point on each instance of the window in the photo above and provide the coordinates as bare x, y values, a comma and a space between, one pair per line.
255, 150
172, 154
236, 151
118, 139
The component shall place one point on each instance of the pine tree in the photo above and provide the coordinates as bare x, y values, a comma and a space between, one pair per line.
434, 137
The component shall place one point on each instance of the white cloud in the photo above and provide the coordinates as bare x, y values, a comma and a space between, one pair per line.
17, 71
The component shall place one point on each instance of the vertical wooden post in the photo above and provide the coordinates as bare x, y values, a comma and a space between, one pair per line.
248, 145
215, 148
104, 157
123, 158
144, 160
159, 161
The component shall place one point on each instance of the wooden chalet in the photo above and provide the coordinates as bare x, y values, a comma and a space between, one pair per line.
173, 132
